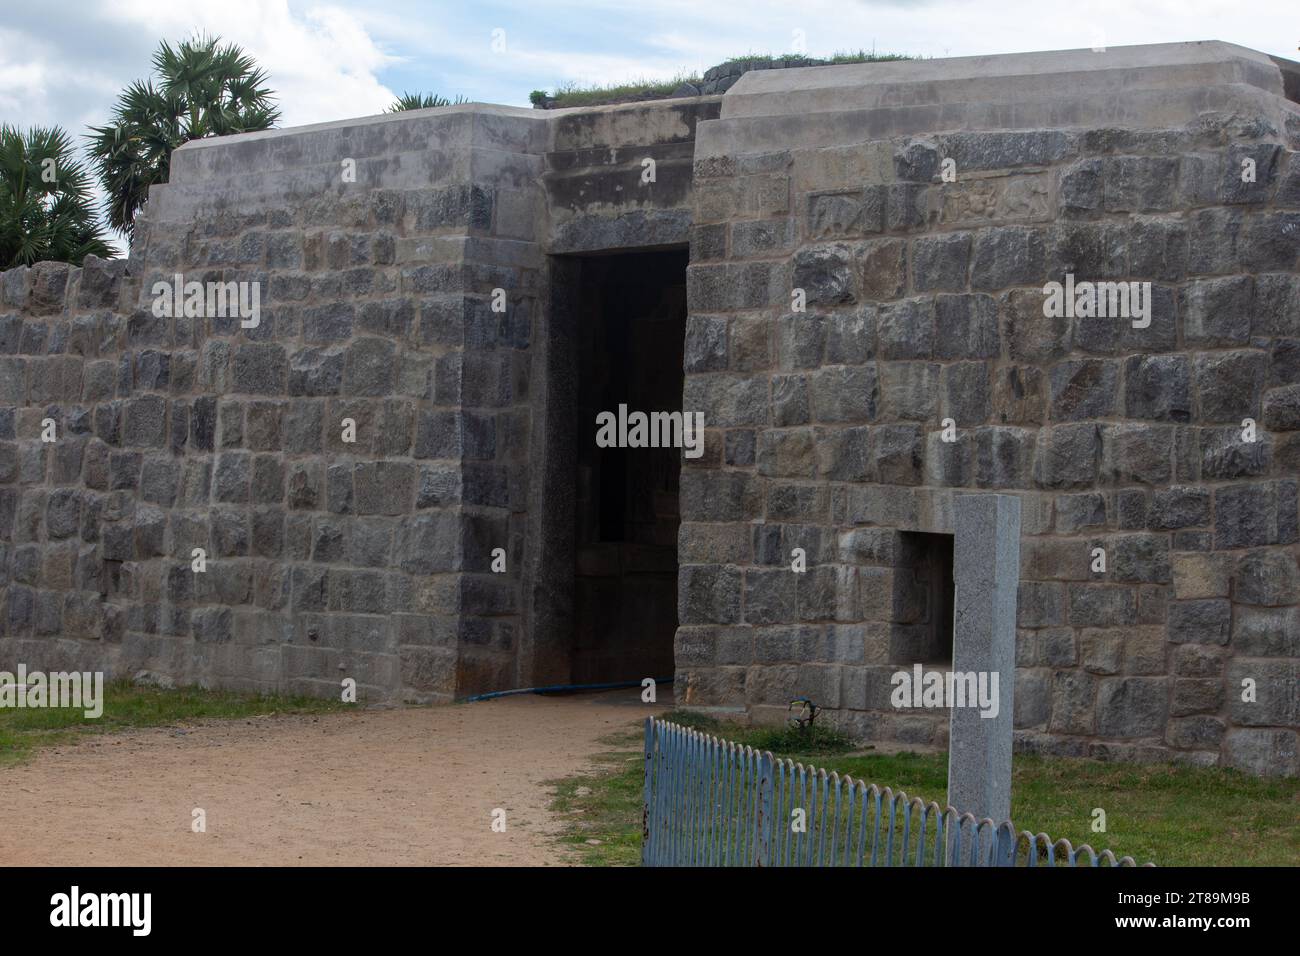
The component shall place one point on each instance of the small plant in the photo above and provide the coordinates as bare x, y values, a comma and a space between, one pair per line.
538, 98
799, 741
422, 101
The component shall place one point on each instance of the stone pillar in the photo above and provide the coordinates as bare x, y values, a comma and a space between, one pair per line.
986, 572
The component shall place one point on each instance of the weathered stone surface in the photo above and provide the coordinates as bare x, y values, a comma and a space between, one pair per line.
1216, 312
1073, 702
786, 453
260, 369
965, 327
1195, 733
1031, 336
1138, 183
1158, 387
1201, 575
965, 392
1132, 706
1266, 632
1101, 651
1282, 409
709, 594
1067, 456
1206, 621
845, 394
1196, 697
1229, 385
1179, 507
897, 452
1268, 578
1265, 753
984, 150
825, 273
940, 263
1083, 389
909, 390
1135, 453
1006, 256
706, 343
907, 330
1101, 606
1245, 515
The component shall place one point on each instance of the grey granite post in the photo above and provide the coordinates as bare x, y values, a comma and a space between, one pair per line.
986, 573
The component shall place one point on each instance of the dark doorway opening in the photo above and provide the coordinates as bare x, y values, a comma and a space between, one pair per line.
630, 337
923, 600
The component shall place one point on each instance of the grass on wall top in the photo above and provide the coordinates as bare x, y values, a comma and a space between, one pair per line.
576, 94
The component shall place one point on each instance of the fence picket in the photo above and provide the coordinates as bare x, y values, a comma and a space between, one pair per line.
711, 802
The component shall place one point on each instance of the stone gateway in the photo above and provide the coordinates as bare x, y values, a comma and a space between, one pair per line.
846, 272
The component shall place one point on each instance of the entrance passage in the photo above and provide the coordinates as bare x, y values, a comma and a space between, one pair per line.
630, 334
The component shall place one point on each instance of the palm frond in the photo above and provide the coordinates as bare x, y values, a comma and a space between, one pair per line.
422, 101
46, 210
200, 88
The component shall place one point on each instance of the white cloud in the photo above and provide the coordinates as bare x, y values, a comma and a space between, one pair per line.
322, 63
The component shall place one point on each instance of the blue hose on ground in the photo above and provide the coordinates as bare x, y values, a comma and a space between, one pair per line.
562, 688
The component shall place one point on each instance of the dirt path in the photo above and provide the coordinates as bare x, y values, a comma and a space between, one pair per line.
399, 787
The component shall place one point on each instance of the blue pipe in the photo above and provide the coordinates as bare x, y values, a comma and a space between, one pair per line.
560, 688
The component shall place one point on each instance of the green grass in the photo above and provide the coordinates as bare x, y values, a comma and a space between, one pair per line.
575, 94
22, 731
603, 809
1161, 813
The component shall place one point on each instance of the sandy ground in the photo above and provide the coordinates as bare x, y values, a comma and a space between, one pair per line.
394, 787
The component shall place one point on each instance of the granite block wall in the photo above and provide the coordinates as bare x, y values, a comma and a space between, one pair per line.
329, 555
866, 339
924, 309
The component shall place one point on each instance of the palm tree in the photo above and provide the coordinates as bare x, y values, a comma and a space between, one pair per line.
203, 89
46, 208
422, 101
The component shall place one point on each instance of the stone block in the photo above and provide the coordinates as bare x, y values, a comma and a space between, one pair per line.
1132, 706
907, 330
940, 263
826, 274
1229, 385
1007, 255
1263, 752
1217, 312
1083, 389
1276, 697
1202, 621
965, 327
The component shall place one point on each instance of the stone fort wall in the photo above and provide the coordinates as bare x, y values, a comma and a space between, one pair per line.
327, 558
925, 307
402, 290
923, 302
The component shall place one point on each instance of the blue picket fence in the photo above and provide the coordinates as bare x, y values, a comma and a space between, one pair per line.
711, 802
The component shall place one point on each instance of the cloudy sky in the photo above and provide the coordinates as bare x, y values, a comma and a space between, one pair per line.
64, 61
